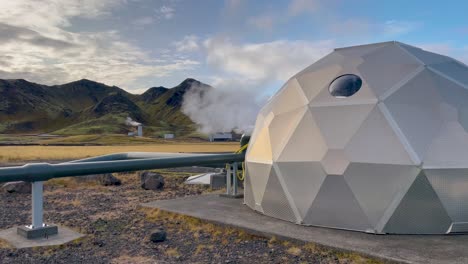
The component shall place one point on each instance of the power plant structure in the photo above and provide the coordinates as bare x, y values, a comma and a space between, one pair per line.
137, 127
370, 138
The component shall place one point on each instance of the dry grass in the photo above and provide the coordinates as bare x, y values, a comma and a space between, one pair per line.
126, 259
197, 226
201, 248
354, 258
4, 244
20, 153
295, 251
172, 252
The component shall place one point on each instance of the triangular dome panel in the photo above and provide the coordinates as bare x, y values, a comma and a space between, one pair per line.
451, 187
335, 162
260, 150
281, 128
454, 70
376, 142
360, 51
332, 59
289, 98
249, 199
416, 108
275, 202
339, 123
419, 212
449, 149
375, 186
306, 142
303, 180
258, 174
314, 81
379, 76
335, 205
425, 57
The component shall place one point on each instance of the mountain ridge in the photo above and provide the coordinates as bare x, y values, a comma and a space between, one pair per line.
88, 107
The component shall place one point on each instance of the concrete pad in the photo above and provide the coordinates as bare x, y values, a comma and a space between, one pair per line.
401, 248
64, 235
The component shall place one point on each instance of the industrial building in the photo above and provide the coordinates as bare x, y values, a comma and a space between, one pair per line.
369, 138
136, 127
221, 136
169, 136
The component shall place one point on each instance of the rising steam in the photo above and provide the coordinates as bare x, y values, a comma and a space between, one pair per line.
228, 107
130, 122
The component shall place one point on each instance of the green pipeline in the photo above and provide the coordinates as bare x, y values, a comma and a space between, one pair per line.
45, 171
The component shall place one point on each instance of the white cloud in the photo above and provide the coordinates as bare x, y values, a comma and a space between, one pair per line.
187, 44
262, 22
166, 12
40, 47
143, 21
276, 60
297, 7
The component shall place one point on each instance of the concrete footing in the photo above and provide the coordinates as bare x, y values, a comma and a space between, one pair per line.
62, 235
31, 233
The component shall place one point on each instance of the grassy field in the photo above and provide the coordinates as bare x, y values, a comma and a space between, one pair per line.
29, 153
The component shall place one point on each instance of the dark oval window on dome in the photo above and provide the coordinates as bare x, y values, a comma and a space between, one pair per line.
345, 85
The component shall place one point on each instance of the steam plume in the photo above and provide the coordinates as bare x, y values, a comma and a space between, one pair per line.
130, 122
230, 106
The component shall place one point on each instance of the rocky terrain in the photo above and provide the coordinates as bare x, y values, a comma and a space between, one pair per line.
119, 231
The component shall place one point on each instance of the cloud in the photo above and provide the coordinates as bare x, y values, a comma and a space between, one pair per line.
9, 33
143, 21
42, 48
276, 60
187, 44
262, 22
166, 12
298, 7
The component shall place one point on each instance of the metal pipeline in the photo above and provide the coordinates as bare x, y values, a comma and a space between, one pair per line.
135, 155
109, 164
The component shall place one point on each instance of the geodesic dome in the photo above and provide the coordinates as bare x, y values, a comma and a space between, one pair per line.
370, 138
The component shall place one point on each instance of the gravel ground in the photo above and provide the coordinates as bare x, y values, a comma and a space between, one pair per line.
117, 229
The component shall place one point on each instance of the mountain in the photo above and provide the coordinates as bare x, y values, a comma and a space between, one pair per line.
88, 107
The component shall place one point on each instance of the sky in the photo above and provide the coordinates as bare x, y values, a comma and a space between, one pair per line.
137, 44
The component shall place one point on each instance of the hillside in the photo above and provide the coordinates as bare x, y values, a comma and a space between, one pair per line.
88, 107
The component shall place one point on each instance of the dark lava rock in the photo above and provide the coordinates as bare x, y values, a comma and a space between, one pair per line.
151, 181
17, 187
158, 235
105, 179
108, 179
